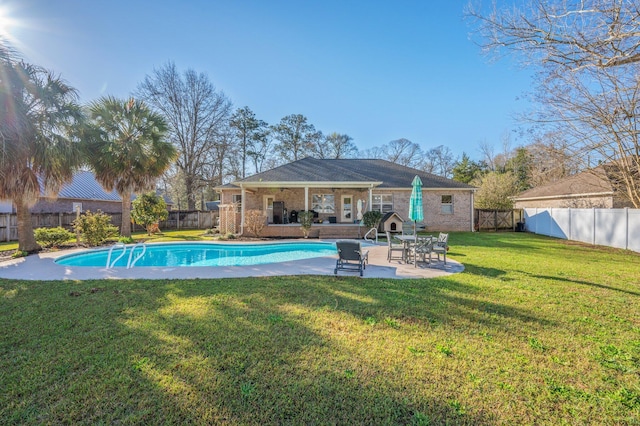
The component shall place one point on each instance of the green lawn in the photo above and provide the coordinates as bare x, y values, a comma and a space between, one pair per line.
535, 331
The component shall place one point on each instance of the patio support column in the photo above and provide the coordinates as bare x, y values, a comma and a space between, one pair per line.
473, 228
306, 198
243, 201
370, 199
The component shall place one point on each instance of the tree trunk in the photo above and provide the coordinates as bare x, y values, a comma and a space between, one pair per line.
125, 229
26, 239
191, 200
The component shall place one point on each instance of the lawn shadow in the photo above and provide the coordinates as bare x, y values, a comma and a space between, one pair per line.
581, 282
212, 351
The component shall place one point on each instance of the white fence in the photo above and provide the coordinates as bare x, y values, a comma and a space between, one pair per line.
607, 227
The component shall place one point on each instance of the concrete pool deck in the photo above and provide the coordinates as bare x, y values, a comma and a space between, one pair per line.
42, 267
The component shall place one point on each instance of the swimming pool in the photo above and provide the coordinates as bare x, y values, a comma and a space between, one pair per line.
202, 254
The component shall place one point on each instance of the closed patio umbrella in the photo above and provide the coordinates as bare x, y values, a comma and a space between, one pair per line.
416, 212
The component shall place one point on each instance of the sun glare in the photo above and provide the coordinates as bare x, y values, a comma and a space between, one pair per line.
7, 23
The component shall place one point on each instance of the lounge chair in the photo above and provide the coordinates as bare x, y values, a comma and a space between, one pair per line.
394, 246
441, 246
351, 256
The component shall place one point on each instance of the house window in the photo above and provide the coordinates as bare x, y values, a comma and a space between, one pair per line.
237, 200
323, 203
446, 204
382, 203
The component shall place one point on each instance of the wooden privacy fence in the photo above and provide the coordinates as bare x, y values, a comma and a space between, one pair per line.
497, 220
194, 219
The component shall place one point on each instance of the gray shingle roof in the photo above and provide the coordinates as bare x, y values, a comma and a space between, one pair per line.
352, 170
592, 181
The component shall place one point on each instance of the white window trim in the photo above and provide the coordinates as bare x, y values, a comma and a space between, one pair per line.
449, 206
380, 207
323, 203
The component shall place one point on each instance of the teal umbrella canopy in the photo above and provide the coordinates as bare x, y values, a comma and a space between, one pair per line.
416, 212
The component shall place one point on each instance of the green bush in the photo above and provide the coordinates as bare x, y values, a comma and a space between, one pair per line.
306, 220
52, 237
371, 219
148, 210
96, 228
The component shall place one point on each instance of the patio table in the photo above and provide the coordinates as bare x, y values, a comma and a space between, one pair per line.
408, 240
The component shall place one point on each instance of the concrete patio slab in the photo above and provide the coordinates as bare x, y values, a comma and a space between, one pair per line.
42, 267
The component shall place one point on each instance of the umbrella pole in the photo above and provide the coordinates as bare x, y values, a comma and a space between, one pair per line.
415, 243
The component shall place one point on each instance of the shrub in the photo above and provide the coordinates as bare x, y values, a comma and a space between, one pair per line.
372, 219
19, 253
255, 221
96, 228
52, 237
126, 240
147, 210
306, 220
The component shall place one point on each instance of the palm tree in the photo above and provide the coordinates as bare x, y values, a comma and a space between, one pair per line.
126, 149
39, 122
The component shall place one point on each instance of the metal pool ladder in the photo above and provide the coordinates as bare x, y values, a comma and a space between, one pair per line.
131, 264
132, 261
115, 246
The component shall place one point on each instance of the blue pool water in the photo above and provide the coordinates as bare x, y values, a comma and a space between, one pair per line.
204, 254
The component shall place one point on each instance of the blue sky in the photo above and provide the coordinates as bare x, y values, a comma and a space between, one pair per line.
375, 70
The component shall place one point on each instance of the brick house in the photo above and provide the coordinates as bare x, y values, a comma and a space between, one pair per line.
339, 191
83, 191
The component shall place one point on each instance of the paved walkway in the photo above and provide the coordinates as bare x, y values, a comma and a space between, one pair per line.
43, 267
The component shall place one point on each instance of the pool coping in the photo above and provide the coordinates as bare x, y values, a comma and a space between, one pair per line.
42, 267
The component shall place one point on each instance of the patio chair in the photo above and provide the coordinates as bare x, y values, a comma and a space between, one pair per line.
407, 228
410, 228
351, 256
441, 246
422, 247
394, 246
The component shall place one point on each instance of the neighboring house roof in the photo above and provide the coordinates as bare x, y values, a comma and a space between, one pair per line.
379, 173
591, 182
84, 186
213, 205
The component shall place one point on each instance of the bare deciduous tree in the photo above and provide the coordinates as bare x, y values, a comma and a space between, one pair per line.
197, 115
550, 160
404, 152
588, 56
439, 161
572, 34
335, 146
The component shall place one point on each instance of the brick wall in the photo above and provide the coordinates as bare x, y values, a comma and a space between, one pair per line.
65, 205
459, 220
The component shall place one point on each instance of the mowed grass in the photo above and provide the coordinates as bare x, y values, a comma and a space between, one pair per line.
535, 331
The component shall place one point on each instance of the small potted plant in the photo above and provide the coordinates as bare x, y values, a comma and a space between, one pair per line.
306, 220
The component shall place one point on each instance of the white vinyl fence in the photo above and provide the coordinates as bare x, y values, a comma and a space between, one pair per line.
607, 227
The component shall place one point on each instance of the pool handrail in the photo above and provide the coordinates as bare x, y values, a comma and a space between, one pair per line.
366, 236
144, 250
116, 245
